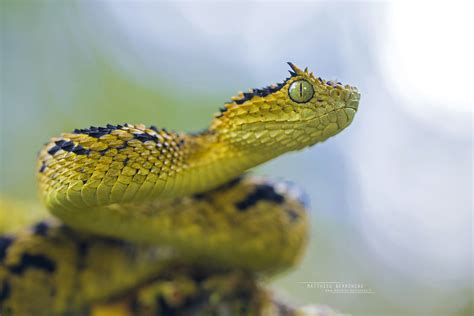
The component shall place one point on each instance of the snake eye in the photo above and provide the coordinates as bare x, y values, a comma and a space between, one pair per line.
301, 91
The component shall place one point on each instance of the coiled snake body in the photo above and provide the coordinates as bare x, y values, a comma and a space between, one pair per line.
157, 197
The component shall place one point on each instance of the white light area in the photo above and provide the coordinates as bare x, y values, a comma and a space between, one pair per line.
416, 184
427, 55
414, 202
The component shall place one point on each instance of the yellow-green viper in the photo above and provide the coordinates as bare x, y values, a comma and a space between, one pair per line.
132, 203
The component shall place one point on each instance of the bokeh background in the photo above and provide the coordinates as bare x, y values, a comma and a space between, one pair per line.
391, 196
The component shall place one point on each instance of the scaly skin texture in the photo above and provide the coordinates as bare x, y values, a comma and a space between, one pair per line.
95, 179
57, 269
142, 208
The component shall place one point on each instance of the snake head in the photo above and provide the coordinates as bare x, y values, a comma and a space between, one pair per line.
299, 112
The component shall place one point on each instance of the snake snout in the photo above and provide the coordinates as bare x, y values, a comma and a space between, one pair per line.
353, 98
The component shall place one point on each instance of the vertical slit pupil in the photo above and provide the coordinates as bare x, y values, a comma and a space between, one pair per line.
301, 89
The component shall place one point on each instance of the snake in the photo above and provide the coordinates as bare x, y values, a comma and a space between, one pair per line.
130, 201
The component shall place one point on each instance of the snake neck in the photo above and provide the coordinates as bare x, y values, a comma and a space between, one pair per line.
211, 159
225, 150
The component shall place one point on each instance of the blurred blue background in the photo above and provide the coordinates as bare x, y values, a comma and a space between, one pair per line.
391, 196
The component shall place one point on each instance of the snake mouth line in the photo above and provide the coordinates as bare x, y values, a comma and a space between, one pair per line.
332, 111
